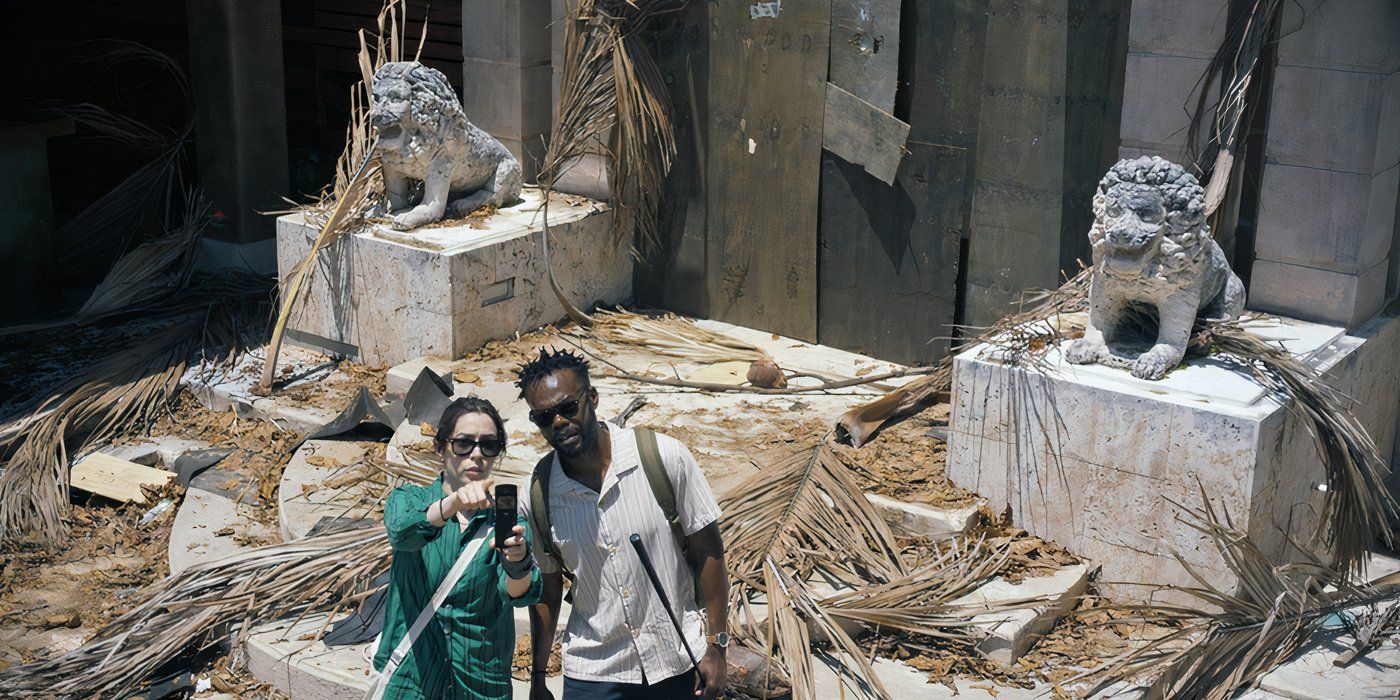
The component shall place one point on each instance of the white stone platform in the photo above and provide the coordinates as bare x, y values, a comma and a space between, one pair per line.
384, 297
1092, 458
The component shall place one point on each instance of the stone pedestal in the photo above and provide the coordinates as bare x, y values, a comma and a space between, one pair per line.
384, 296
1092, 458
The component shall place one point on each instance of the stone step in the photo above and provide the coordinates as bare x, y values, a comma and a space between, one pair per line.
233, 389
304, 496
1006, 636
210, 507
920, 520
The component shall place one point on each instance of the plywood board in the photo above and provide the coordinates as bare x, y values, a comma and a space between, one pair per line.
767, 82
116, 478
865, 49
863, 134
889, 255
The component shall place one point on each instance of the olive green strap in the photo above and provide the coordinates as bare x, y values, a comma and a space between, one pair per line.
650, 453
539, 516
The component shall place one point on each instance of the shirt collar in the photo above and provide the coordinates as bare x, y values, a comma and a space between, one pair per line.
624, 461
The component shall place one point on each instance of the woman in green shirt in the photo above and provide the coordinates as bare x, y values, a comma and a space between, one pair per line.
465, 651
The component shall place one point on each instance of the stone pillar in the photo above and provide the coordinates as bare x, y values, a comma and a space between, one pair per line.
1170, 46
588, 176
1332, 164
240, 120
506, 74
1019, 190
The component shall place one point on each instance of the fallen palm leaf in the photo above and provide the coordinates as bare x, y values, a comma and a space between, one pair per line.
611, 92
1273, 614
1357, 508
674, 336
111, 398
257, 586
331, 231
806, 551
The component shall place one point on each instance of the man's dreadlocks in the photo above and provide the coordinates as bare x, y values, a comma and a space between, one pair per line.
547, 363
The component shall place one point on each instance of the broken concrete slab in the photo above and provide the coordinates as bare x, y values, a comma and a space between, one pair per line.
195, 538
1312, 674
116, 478
282, 654
919, 520
308, 491
1006, 636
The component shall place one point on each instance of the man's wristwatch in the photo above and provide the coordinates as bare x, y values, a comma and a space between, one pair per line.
720, 640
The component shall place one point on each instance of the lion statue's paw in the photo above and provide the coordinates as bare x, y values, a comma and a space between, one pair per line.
1155, 363
414, 218
1083, 351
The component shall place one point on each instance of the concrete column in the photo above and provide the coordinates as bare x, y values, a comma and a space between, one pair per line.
588, 176
1170, 46
506, 74
1019, 189
1332, 164
240, 117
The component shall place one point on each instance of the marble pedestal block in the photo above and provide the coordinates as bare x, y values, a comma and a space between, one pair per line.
386, 296
1097, 460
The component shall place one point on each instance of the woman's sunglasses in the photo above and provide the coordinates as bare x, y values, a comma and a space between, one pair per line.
463, 446
543, 417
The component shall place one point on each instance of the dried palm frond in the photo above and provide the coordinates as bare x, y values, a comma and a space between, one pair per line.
345, 205
1357, 507
152, 269
674, 336
148, 199
1233, 66
611, 92
331, 231
253, 587
111, 398
1024, 335
1272, 615
803, 541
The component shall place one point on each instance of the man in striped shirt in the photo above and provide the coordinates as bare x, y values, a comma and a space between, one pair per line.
619, 642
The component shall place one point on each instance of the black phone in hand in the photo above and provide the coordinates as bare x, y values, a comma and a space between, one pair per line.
505, 513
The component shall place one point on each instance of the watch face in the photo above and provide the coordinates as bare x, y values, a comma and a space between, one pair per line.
722, 639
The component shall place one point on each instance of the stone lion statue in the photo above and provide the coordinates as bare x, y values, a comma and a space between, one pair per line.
1154, 260
424, 137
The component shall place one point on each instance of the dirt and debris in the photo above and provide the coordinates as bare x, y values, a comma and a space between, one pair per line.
520, 660
52, 601
339, 388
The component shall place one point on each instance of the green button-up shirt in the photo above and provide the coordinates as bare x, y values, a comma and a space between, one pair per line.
465, 651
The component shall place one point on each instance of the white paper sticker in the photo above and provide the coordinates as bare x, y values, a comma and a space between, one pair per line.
760, 10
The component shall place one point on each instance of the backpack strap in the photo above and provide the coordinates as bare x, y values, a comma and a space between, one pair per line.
539, 517
649, 451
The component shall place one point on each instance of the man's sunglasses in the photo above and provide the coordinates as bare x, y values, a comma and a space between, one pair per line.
544, 417
463, 446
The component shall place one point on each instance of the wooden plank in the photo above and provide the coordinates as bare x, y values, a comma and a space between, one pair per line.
889, 255
865, 49
863, 134
767, 97
116, 478
673, 277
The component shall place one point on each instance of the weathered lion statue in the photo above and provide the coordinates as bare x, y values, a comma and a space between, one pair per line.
1153, 259
425, 137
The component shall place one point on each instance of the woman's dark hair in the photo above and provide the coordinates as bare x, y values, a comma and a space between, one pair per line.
461, 407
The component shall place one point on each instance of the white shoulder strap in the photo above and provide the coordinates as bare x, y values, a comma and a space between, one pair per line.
453, 576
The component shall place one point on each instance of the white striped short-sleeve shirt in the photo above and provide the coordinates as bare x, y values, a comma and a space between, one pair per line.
618, 629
